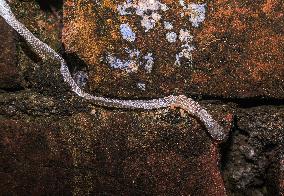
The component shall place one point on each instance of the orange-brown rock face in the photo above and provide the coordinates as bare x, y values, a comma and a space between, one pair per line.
242, 45
154, 48
134, 47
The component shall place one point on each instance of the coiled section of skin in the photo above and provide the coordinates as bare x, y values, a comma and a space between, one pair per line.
43, 50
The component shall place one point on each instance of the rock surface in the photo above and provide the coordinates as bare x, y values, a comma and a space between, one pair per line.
9, 72
218, 48
54, 143
104, 152
257, 147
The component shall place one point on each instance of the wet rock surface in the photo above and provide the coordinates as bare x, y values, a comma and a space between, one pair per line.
54, 143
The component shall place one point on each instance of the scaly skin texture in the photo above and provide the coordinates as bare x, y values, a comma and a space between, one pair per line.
201, 170
44, 50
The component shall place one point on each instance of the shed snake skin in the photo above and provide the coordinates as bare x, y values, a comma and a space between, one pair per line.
43, 50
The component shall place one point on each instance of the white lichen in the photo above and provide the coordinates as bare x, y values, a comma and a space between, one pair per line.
127, 33
171, 37
133, 62
129, 65
186, 48
185, 36
149, 62
141, 86
150, 13
147, 10
196, 12
168, 25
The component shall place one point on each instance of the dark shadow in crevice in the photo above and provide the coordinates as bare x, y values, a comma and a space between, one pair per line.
226, 147
74, 62
48, 5
247, 102
12, 89
55, 7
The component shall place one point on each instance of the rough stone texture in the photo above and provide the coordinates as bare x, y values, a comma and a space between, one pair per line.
239, 49
104, 152
275, 174
242, 48
54, 143
9, 73
257, 147
29, 164
281, 176
44, 25
41, 76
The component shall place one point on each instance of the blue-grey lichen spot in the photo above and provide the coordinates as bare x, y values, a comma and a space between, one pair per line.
146, 9
171, 37
129, 65
127, 33
150, 14
133, 62
197, 15
81, 78
141, 86
168, 25
197, 12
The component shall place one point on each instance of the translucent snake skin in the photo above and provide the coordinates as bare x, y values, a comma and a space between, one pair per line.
43, 50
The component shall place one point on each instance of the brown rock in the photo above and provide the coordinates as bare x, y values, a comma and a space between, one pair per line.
275, 173
239, 47
281, 176
9, 73
54, 149
30, 162
109, 153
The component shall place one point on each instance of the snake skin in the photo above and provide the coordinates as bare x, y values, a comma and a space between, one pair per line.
44, 51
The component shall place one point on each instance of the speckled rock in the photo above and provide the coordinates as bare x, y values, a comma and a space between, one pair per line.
242, 48
225, 48
44, 25
39, 75
275, 173
281, 176
55, 143
9, 72
31, 163
256, 147
104, 152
